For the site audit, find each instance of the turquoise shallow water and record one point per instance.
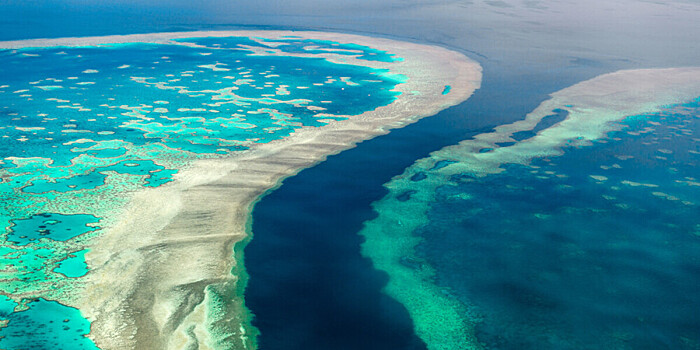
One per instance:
(56, 227)
(45, 325)
(74, 265)
(84, 125)
(594, 249)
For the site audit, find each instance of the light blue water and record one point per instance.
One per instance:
(83, 125)
(7, 306)
(57, 227)
(169, 77)
(74, 265)
(46, 325)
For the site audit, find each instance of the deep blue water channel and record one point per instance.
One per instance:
(309, 286)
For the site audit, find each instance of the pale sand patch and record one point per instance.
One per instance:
(637, 184)
(149, 272)
(666, 196)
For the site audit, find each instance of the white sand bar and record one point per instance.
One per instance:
(155, 275)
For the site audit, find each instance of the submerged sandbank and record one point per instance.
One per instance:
(592, 109)
(161, 274)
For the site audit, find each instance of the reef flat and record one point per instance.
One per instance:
(445, 196)
(134, 162)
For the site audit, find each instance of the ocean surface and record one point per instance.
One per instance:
(309, 285)
(606, 257)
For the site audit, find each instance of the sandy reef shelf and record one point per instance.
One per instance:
(172, 250)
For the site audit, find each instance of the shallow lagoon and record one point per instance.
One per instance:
(45, 325)
(84, 126)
